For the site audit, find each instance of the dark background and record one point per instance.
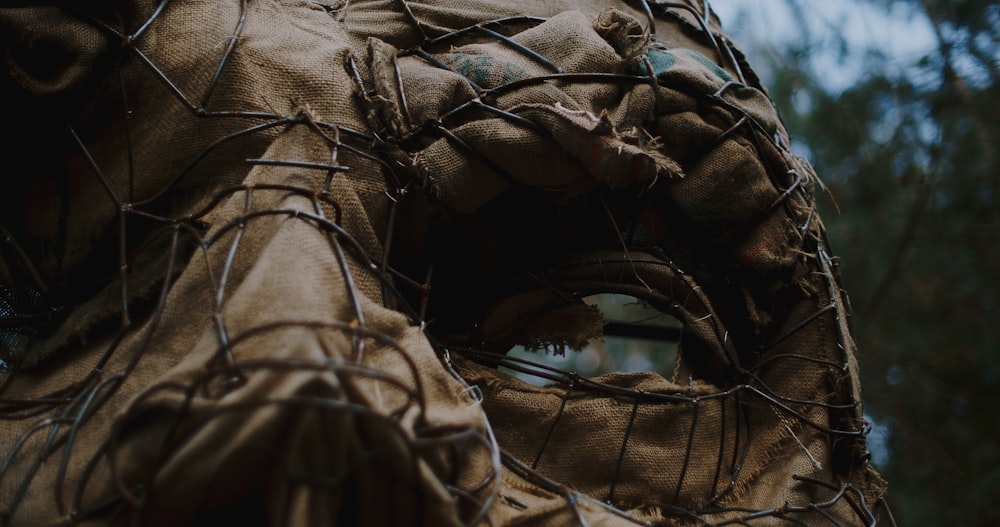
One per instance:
(897, 105)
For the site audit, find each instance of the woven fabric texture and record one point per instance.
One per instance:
(262, 261)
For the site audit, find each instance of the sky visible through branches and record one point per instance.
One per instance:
(895, 104)
(851, 30)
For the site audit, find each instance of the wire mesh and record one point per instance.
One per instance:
(184, 341)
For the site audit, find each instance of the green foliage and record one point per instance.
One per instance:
(909, 153)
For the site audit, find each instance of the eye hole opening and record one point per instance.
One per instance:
(637, 338)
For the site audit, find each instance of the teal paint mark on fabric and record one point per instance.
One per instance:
(474, 67)
(661, 61)
(511, 72)
(484, 70)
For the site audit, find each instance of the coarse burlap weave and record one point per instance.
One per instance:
(262, 258)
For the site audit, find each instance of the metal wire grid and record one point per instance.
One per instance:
(59, 415)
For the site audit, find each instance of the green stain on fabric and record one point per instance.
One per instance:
(484, 70)
(713, 67)
(661, 61)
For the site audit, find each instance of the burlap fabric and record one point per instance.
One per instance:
(261, 260)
